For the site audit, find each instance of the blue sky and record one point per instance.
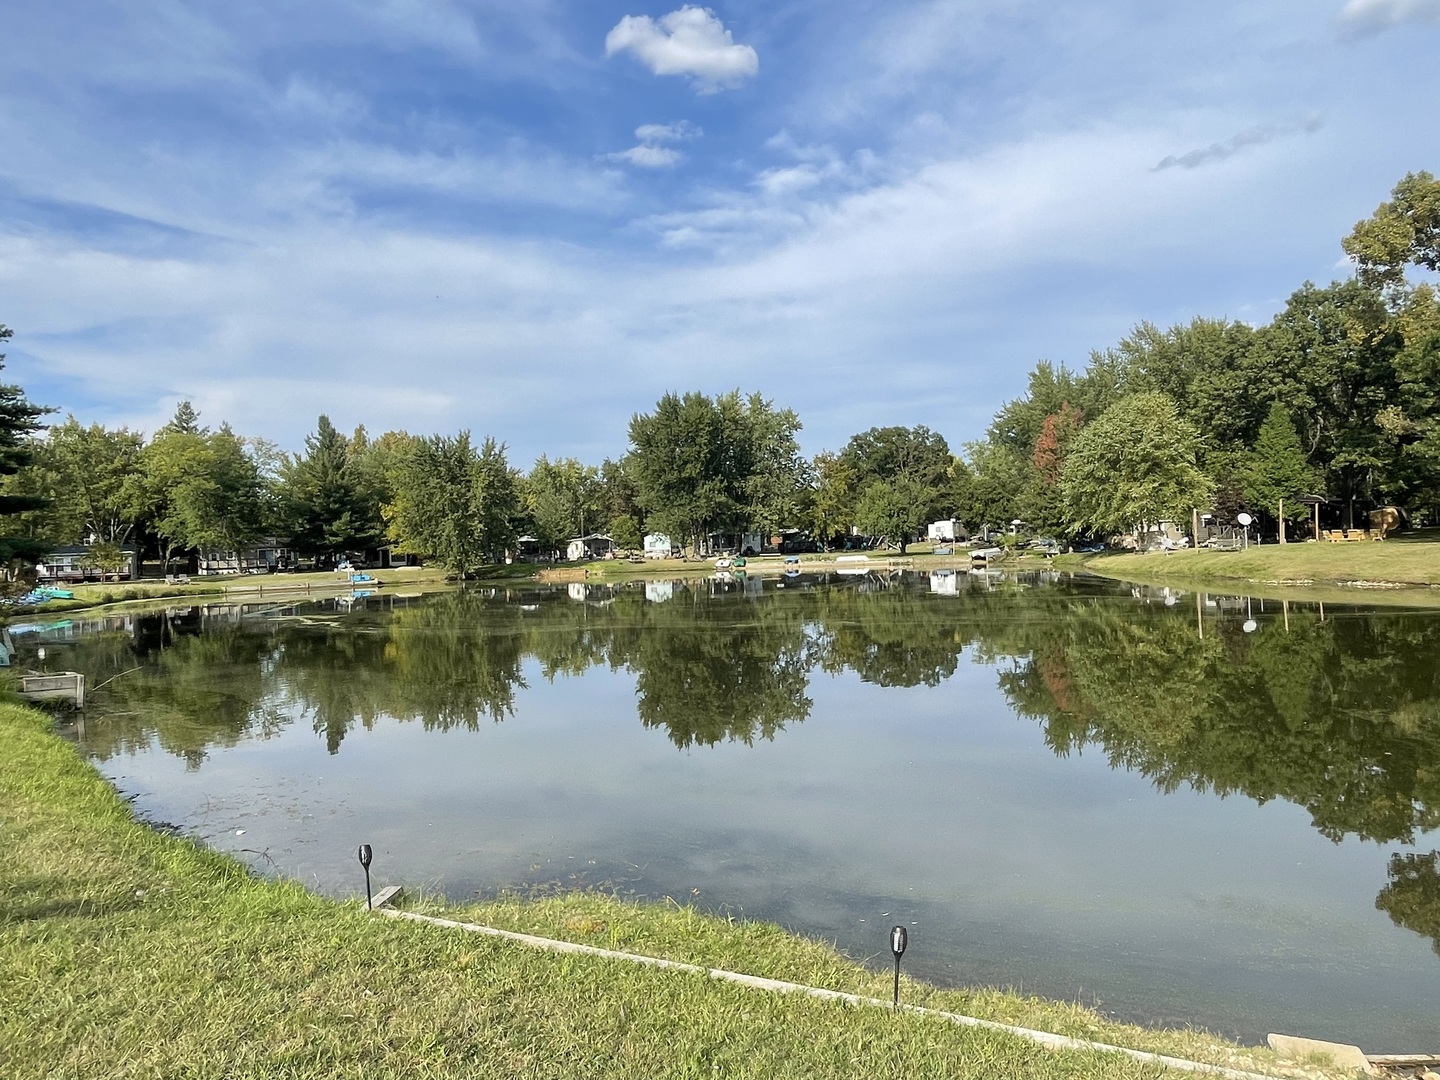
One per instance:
(531, 219)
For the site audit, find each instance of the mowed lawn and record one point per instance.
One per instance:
(128, 953)
(1406, 559)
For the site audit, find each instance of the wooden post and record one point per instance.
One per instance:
(1317, 522)
(1195, 526)
(1282, 521)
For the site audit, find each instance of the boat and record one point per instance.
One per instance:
(984, 555)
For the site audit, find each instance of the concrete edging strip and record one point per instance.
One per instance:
(1044, 1038)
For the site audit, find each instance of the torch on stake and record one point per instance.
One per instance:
(364, 855)
(898, 940)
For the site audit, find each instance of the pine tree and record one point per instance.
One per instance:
(19, 419)
(1277, 469)
(327, 510)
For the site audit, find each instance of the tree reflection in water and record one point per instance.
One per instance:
(1339, 715)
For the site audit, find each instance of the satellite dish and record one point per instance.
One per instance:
(1244, 518)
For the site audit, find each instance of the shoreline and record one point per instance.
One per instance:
(1400, 574)
(147, 928)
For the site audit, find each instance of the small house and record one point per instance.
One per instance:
(77, 563)
(267, 557)
(527, 549)
(594, 546)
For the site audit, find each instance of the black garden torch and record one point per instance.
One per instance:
(365, 854)
(898, 940)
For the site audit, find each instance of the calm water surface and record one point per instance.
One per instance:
(1087, 792)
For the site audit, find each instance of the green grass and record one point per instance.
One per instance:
(128, 953)
(122, 592)
(1407, 561)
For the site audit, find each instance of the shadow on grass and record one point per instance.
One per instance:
(27, 902)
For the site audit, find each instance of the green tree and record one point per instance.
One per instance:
(895, 509)
(625, 531)
(203, 489)
(94, 481)
(703, 465)
(328, 509)
(913, 464)
(19, 420)
(1207, 369)
(453, 503)
(564, 499)
(1135, 466)
(1000, 477)
(173, 461)
(222, 507)
(1277, 470)
(832, 502)
(1330, 358)
(1403, 231)
(1412, 896)
(777, 491)
(1042, 504)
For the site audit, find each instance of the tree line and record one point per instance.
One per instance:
(1337, 396)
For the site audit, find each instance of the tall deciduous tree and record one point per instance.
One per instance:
(453, 503)
(1134, 466)
(1329, 358)
(832, 504)
(1403, 231)
(564, 499)
(894, 508)
(704, 465)
(93, 480)
(1043, 506)
(914, 461)
(204, 489)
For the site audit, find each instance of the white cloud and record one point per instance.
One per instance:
(1363, 17)
(691, 41)
(650, 154)
(649, 157)
(655, 133)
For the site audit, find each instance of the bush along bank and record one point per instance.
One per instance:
(125, 951)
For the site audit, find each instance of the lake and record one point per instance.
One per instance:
(1179, 808)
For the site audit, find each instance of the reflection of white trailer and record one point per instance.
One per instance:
(947, 531)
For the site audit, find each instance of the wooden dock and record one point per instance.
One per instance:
(49, 687)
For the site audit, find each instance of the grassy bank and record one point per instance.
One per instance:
(128, 953)
(1405, 562)
(238, 587)
(918, 557)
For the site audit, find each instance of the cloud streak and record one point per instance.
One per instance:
(691, 41)
(1362, 18)
(1237, 144)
